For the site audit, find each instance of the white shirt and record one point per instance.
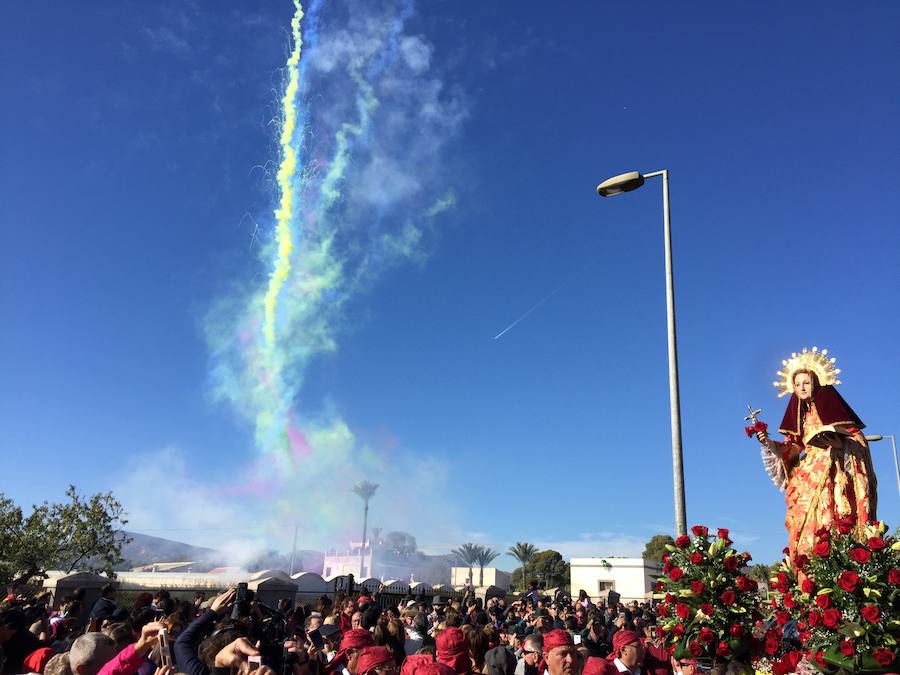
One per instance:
(624, 669)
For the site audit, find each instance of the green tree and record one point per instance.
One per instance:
(80, 533)
(760, 572)
(399, 544)
(656, 547)
(485, 557)
(468, 555)
(548, 567)
(523, 552)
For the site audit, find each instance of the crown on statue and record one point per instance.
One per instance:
(813, 360)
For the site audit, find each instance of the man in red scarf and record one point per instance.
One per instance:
(345, 661)
(630, 655)
(376, 661)
(560, 655)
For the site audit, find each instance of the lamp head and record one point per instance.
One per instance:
(625, 182)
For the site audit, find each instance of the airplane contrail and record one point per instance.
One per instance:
(540, 302)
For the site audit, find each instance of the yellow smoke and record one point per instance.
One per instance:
(285, 212)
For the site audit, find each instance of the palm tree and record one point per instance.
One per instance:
(364, 491)
(468, 554)
(523, 552)
(485, 556)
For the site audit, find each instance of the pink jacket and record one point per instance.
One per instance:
(126, 662)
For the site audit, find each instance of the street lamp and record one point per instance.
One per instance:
(627, 182)
(894, 447)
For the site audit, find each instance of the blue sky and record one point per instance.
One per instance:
(136, 172)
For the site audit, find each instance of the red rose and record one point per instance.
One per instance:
(772, 646)
(745, 584)
(699, 531)
(683, 541)
(845, 525)
(871, 613)
(731, 563)
(819, 658)
(698, 587)
(669, 598)
(807, 586)
(727, 597)
(666, 567)
(782, 617)
(695, 648)
(723, 649)
(676, 573)
(815, 618)
(876, 543)
(831, 617)
(801, 626)
(823, 601)
(662, 610)
(802, 561)
(847, 647)
(788, 601)
(736, 630)
(665, 558)
(679, 629)
(786, 550)
(848, 580)
(747, 557)
(660, 586)
(682, 610)
(822, 549)
(884, 657)
(706, 635)
(696, 558)
(823, 533)
(723, 533)
(894, 577)
(860, 554)
(707, 609)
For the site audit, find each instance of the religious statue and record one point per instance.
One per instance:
(823, 465)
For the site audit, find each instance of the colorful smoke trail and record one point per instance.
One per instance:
(365, 119)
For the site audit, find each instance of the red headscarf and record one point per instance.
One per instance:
(557, 638)
(372, 657)
(453, 650)
(352, 639)
(620, 639)
(37, 660)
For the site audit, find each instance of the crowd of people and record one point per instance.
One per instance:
(154, 634)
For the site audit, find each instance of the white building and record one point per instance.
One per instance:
(343, 562)
(631, 578)
(492, 576)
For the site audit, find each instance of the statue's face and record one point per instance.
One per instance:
(803, 386)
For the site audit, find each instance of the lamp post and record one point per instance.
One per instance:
(894, 447)
(627, 182)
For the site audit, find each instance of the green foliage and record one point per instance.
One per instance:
(400, 545)
(485, 557)
(468, 555)
(548, 567)
(76, 534)
(656, 547)
(761, 573)
(523, 552)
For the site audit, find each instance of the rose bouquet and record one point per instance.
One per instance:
(845, 599)
(708, 605)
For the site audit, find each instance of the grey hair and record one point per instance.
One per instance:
(58, 665)
(88, 649)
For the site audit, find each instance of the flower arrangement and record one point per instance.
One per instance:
(708, 605)
(845, 598)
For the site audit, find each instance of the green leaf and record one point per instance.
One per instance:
(851, 629)
(671, 548)
(825, 591)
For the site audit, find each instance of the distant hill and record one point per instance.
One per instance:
(145, 549)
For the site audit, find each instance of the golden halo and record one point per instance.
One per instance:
(815, 360)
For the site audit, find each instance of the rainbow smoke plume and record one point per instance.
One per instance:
(364, 119)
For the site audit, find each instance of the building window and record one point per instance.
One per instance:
(327, 571)
(605, 586)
